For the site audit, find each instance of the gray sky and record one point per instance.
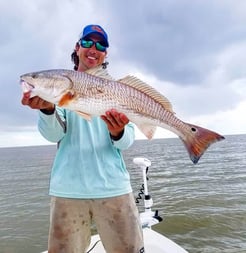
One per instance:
(192, 51)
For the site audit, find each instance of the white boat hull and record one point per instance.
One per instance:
(153, 243)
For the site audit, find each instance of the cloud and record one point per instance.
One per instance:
(194, 52)
(176, 41)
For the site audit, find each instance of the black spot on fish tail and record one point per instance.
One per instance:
(193, 129)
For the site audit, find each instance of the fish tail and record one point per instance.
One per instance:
(198, 140)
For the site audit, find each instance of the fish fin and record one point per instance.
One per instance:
(100, 72)
(147, 130)
(84, 115)
(66, 99)
(198, 140)
(147, 89)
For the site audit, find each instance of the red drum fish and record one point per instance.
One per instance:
(93, 92)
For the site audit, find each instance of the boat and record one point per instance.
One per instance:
(154, 242)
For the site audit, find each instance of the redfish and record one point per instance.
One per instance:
(93, 92)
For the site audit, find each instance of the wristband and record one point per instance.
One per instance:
(48, 112)
(116, 138)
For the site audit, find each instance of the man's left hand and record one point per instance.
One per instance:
(115, 122)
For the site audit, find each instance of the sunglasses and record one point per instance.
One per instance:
(90, 43)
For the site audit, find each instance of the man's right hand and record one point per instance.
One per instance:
(37, 103)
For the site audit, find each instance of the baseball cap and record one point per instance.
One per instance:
(95, 29)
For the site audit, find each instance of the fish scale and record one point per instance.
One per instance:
(93, 92)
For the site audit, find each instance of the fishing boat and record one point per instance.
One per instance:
(154, 242)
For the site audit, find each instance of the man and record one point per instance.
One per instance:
(89, 179)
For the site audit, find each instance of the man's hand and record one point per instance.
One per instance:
(37, 102)
(115, 122)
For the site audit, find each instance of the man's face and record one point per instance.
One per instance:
(90, 57)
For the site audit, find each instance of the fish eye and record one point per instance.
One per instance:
(34, 76)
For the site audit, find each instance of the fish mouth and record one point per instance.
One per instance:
(25, 86)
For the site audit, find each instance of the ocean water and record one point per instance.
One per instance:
(203, 206)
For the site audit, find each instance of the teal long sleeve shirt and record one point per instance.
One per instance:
(88, 163)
